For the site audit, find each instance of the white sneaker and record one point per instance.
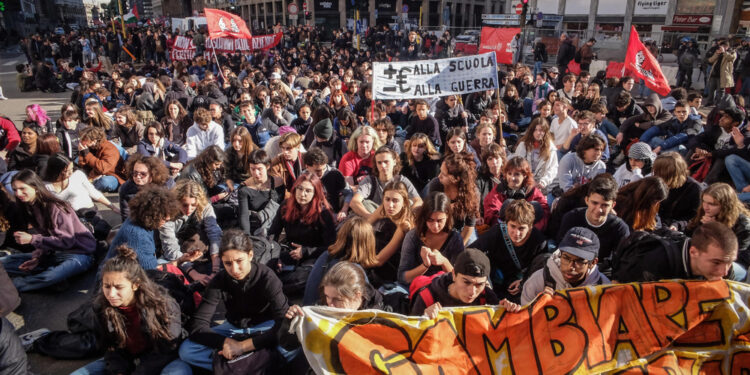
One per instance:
(3, 98)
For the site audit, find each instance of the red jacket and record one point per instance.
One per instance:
(494, 201)
(12, 138)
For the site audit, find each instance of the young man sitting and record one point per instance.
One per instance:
(673, 135)
(598, 216)
(512, 245)
(572, 265)
(465, 286)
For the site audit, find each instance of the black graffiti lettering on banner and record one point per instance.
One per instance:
(417, 70)
(475, 84)
(469, 64)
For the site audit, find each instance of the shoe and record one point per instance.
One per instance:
(3, 98)
(27, 340)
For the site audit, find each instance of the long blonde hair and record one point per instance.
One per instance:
(187, 188)
(430, 153)
(730, 205)
(356, 240)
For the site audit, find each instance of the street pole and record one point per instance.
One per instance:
(356, 23)
(122, 21)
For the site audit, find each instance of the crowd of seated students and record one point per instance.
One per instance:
(492, 203)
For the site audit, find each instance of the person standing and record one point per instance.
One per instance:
(721, 76)
(565, 52)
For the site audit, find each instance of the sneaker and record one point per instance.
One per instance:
(27, 340)
(3, 98)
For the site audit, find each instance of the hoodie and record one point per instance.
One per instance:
(439, 290)
(646, 120)
(535, 284)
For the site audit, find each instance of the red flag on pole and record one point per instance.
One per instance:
(498, 39)
(225, 24)
(644, 65)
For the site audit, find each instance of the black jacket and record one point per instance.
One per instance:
(565, 52)
(439, 290)
(261, 286)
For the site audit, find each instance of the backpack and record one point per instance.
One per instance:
(627, 263)
(79, 341)
(577, 57)
(172, 279)
(266, 251)
(687, 59)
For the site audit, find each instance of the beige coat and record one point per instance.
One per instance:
(727, 68)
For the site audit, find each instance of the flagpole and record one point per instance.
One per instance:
(122, 20)
(216, 58)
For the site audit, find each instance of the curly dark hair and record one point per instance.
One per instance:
(203, 161)
(142, 207)
(149, 299)
(156, 168)
(462, 168)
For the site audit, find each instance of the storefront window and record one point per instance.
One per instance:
(608, 34)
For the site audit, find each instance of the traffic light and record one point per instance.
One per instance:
(308, 15)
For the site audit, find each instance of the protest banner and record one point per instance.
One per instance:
(676, 327)
(499, 39)
(183, 49)
(230, 45)
(430, 78)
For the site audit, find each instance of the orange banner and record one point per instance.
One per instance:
(651, 328)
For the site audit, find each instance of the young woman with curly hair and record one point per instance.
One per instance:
(138, 230)
(138, 323)
(208, 170)
(128, 130)
(517, 183)
(62, 246)
(142, 171)
(433, 244)
(194, 229)
(457, 179)
(719, 202)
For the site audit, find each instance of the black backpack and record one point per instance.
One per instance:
(266, 251)
(627, 264)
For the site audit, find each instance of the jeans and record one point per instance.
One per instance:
(740, 272)
(705, 79)
(107, 184)
(608, 128)
(176, 367)
(685, 77)
(528, 107)
(64, 265)
(739, 170)
(537, 68)
(202, 356)
(6, 179)
(713, 87)
(644, 91)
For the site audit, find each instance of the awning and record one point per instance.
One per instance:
(691, 29)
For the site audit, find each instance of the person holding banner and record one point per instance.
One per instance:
(466, 285)
(574, 264)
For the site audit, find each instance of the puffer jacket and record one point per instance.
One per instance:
(535, 284)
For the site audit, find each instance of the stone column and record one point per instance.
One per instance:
(342, 12)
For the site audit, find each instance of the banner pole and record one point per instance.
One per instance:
(216, 58)
(499, 105)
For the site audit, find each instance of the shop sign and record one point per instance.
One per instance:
(692, 19)
(651, 7)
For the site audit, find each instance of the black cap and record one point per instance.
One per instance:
(581, 242)
(472, 262)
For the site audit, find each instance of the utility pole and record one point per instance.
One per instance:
(122, 21)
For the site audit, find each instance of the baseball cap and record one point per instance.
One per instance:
(581, 242)
(554, 70)
(472, 262)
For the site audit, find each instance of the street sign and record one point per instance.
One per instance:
(292, 9)
(292, 16)
(406, 8)
(519, 8)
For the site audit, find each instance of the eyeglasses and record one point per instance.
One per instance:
(140, 174)
(577, 263)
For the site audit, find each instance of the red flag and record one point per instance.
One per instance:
(643, 64)
(499, 40)
(135, 12)
(224, 24)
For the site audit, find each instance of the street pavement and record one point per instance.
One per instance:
(44, 309)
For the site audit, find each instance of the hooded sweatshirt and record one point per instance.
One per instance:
(535, 284)
(646, 120)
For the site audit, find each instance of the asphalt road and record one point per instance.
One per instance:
(44, 309)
